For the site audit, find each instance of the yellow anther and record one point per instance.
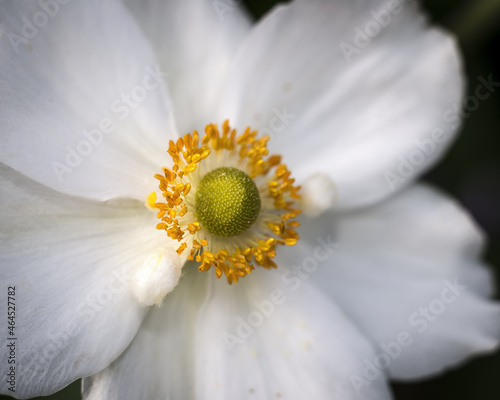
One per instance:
(190, 168)
(181, 248)
(229, 256)
(151, 200)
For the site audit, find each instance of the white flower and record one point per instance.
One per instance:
(372, 291)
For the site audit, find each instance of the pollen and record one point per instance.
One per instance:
(226, 201)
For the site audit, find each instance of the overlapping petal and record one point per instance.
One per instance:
(83, 106)
(70, 262)
(352, 118)
(408, 267)
(195, 41)
(258, 339)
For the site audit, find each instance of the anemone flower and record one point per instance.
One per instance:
(150, 148)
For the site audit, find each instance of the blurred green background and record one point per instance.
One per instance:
(470, 172)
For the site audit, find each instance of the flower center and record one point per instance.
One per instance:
(227, 202)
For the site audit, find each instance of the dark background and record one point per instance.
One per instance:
(470, 172)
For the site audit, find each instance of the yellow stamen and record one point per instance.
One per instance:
(275, 226)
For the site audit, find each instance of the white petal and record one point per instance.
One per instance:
(159, 362)
(157, 277)
(318, 193)
(300, 346)
(83, 107)
(195, 41)
(410, 265)
(70, 262)
(351, 120)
